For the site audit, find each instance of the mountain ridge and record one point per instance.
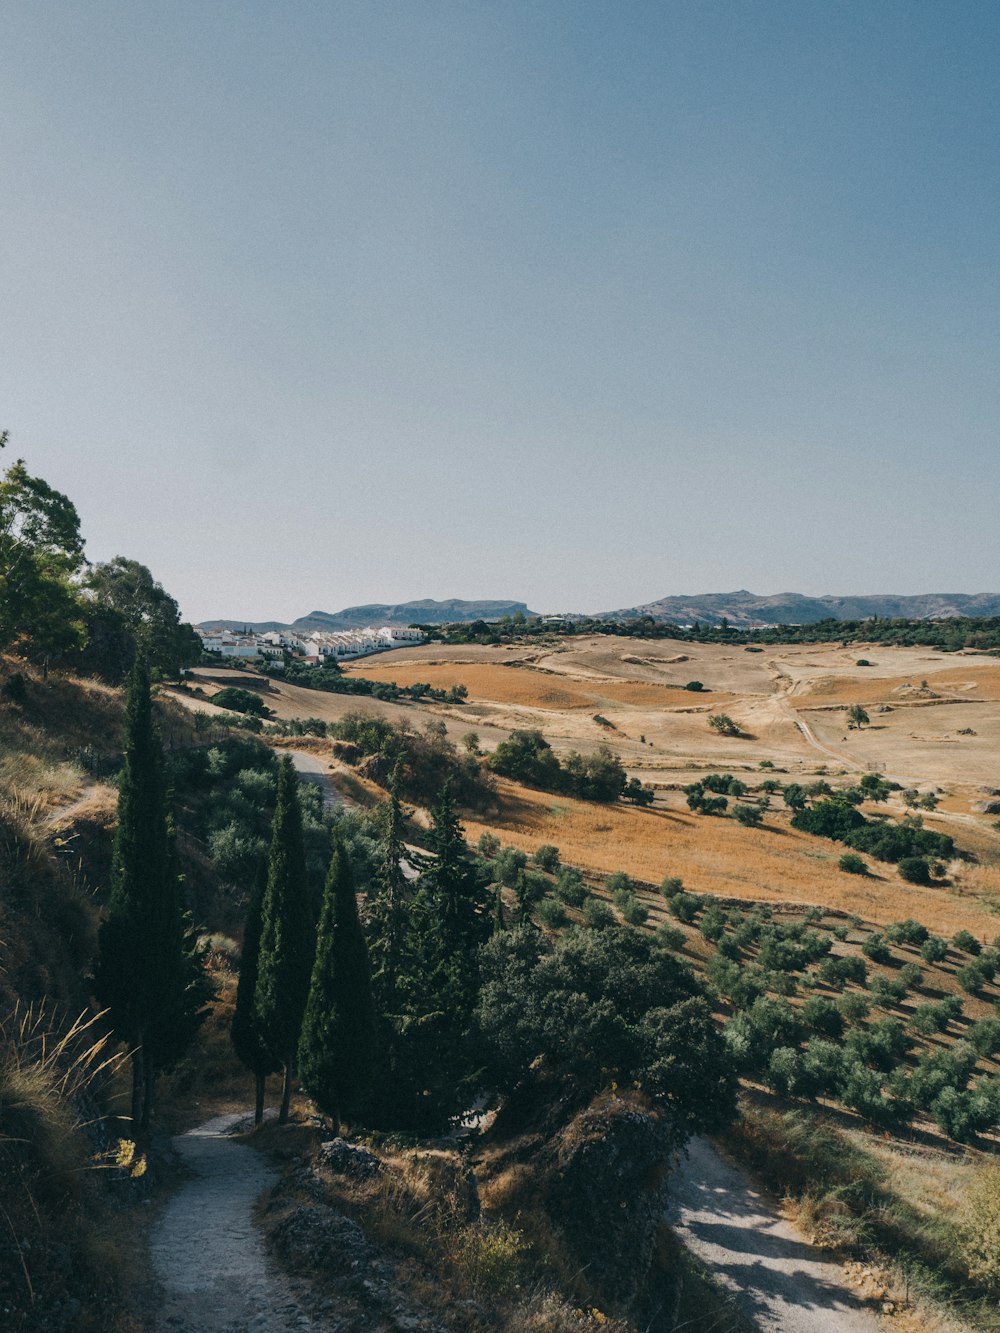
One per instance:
(424, 611)
(744, 608)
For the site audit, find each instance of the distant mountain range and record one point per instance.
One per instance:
(740, 609)
(750, 609)
(425, 612)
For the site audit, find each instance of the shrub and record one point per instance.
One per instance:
(633, 911)
(551, 913)
(971, 978)
(915, 870)
(887, 990)
(852, 864)
(985, 1036)
(684, 906)
(748, 815)
(911, 975)
(966, 941)
(670, 937)
(784, 1071)
(839, 971)
(823, 1015)
(876, 948)
(570, 888)
(713, 924)
(906, 932)
(597, 914)
(854, 1007)
(724, 725)
(492, 1257)
(934, 949)
(694, 686)
(547, 858)
(618, 883)
(240, 701)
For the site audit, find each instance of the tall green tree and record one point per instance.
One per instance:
(338, 1031)
(40, 551)
(287, 940)
(148, 973)
(127, 612)
(388, 904)
(244, 1032)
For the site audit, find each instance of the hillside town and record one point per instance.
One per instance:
(311, 648)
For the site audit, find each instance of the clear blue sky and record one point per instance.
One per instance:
(581, 302)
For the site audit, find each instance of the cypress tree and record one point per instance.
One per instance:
(387, 913)
(148, 972)
(244, 1032)
(179, 985)
(287, 942)
(338, 1030)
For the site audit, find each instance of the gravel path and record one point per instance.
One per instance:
(311, 769)
(207, 1252)
(781, 1282)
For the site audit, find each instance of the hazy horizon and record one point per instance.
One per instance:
(321, 305)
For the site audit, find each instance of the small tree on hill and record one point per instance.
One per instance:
(338, 1031)
(285, 959)
(724, 725)
(857, 717)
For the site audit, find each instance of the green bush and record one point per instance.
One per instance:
(670, 937)
(551, 913)
(907, 932)
(570, 887)
(597, 914)
(966, 941)
(876, 948)
(852, 864)
(547, 858)
(915, 870)
(934, 949)
(684, 906)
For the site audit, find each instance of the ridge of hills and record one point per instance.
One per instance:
(742, 609)
(425, 611)
(750, 610)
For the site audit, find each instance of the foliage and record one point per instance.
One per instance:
(40, 552)
(336, 1044)
(605, 1006)
(287, 940)
(240, 701)
(148, 972)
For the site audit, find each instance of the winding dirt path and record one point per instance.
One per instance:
(781, 1282)
(207, 1252)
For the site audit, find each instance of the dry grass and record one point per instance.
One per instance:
(775, 863)
(527, 687)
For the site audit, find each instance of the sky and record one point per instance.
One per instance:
(308, 303)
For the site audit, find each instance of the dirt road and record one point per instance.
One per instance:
(207, 1252)
(311, 769)
(781, 1282)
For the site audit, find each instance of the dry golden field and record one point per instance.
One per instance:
(935, 725)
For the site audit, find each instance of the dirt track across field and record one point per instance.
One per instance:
(781, 1282)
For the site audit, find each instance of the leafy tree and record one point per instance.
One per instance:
(876, 948)
(243, 1032)
(287, 941)
(857, 717)
(148, 973)
(748, 815)
(547, 858)
(126, 611)
(526, 756)
(597, 1007)
(966, 941)
(852, 864)
(934, 949)
(594, 777)
(794, 796)
(240, 701)
(724, 725)
(915, 870)
(337, 1041)
(40, 552)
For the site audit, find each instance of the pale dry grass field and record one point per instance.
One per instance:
(774, 863)
(791, 705)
